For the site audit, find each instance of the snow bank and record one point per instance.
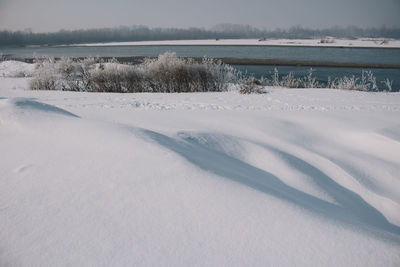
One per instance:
(300, 177)
(16, 69)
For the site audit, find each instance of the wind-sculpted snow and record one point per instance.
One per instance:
(289, 178)
(31, 104)
(392, 132)
(352, 208)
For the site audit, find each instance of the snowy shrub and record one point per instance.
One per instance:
(275, 78)
(65, 74)
(347, 83)
(222, 73)
(45, 75)
(371, 80)
(169, 73)
(70, 70)
(310, 81)
(367, 82)
(112, 77)
(251, 86)
(289, 81)
(105, 79)
(388, 84)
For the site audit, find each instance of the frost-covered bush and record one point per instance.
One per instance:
(167, 73)
(223, 74)
(45, 75)
(251, 86)
(347, 83)
(170, 74)
(112, 77)
(65, 74)
(371, 80)
(275, 78)
(388, 84)
(69, 71)
(367, 82)
(289, 81)
(310, 81)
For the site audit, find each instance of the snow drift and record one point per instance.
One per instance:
(301, 177)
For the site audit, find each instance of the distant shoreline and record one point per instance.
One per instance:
(367, 43)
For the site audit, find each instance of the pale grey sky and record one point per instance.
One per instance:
(53, 15)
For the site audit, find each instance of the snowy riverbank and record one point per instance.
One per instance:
(329, 42)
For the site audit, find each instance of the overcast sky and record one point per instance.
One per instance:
(53, 15)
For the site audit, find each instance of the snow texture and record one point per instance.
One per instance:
(295, 177)
(16, 69)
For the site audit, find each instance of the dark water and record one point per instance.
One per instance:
(352, 55)
(356, 55)
(322, 74)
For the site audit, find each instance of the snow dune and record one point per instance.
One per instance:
(304, 177)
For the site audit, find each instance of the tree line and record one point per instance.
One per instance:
(221, 31)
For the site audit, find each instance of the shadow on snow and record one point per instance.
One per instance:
(352, 208)
(32, 104)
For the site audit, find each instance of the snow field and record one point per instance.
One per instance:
(295, 177)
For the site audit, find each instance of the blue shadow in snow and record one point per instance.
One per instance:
(346, 198)
(392, 133)
(32, 104)
(352, 208)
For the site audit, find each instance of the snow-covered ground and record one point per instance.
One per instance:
(306, 177)
(332, 42)
(15, 69)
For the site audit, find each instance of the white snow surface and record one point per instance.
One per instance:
(293, 177)
(334, 42)
(12, 68)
